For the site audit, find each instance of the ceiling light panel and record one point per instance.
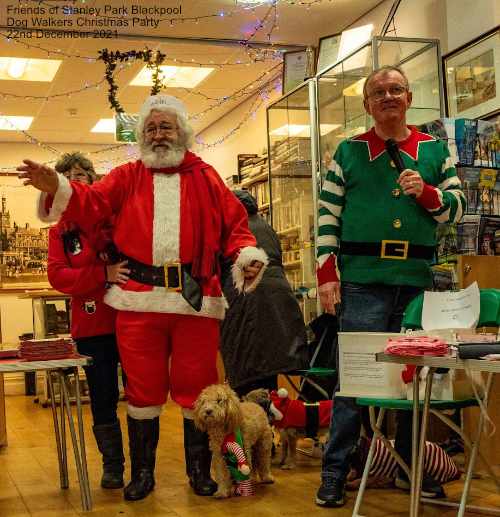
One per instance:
(173, 76)
(11, 123)
(24, 69)
(104, 125)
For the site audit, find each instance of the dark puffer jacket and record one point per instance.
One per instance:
(263, 333)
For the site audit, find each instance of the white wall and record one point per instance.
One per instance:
(468, 19)
(16, 316)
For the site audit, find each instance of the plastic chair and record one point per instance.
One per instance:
(436, 408)
(489, 310)
(325, 326)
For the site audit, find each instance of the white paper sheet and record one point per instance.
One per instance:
(451, 309)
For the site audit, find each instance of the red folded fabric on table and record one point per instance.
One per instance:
(414, 346)
(46, 349)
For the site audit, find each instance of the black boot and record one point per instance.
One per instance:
(198, 459)
(143, 440)
(109, 443)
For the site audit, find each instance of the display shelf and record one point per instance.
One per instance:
(289, 231)
(292, 265)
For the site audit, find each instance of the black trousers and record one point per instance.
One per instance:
(102, 376)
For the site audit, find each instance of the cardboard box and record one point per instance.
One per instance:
(360, 374)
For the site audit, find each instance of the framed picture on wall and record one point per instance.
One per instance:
(328, 51)
(472, 77)
(23, 237)
(298, 65)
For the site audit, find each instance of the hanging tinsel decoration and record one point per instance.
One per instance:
(111, 58)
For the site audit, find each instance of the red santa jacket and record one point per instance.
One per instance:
(294, 411)
(76, 269)
(153, 222)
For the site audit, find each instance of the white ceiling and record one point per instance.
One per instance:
(69, 118)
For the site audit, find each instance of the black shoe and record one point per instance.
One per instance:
(430, 487)
(109, 443)
(142, 485)
(143, 440)
(453, 446)
(331, 493)
(198, 460)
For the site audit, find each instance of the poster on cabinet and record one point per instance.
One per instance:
(23, 237)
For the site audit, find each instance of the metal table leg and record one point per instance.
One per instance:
(414, 440)
(81, 434)
(474, 450)
(61, 448)
(423, 435)
(80, 459)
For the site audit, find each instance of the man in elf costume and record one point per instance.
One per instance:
(377, 234)
(174, 217)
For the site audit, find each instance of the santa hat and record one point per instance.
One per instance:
(167, 103)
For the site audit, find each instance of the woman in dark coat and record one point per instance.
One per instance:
(263, 333)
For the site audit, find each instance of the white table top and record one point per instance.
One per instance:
(14, 365)
(441, 362)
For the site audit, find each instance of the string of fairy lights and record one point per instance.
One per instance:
(261, 95)
(254, 89)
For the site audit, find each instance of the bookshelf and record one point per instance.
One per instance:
(253, 175)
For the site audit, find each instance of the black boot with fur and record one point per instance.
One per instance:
(109, 443)
(198, 460)
(143, 440)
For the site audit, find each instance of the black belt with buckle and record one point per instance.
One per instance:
(169, 275)
(173, 276)
(388, 249)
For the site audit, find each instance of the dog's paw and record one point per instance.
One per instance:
(267, 480)
(222, 494)
(287, 466)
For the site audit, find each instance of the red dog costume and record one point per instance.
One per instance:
(294, 412)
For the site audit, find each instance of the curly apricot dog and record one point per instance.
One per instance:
(219, 412)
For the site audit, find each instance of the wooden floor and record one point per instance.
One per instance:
(29, 479)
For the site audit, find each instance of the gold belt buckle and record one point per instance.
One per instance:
(173, 276)
(401, 251)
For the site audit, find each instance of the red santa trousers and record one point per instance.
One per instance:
(167, 352)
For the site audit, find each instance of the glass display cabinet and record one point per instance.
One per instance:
(340, 88)
(306, 125)
(292, 141)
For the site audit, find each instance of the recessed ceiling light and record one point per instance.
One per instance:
(104, 125)
(23, 69)
(8, 123)
(173, 76)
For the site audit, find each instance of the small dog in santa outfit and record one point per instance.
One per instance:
(293, 418)
(219, 412)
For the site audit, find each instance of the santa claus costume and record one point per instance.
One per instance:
(171, 224)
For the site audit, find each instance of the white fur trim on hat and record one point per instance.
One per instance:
(245, 258)
(162, 103)
(59, 204)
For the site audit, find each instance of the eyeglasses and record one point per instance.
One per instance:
(394, 91)
(162, 128)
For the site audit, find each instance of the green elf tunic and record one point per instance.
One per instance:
(362, 209)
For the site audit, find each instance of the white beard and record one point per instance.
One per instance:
(162, 157)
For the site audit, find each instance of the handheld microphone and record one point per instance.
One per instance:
(392, 149)
(391, 146)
